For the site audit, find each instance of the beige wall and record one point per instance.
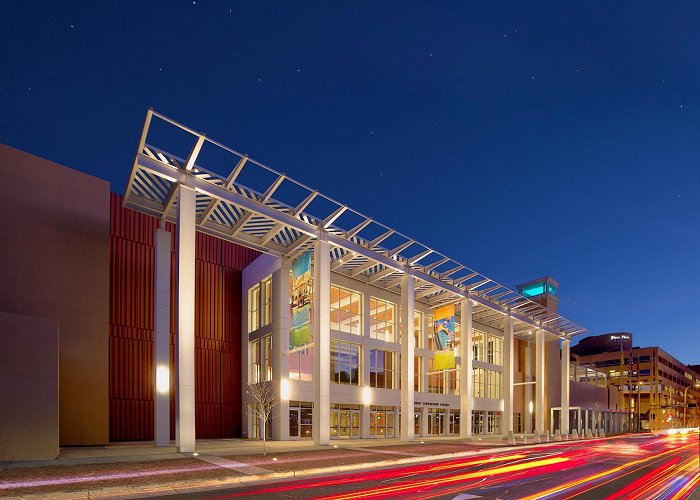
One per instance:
(54, 263)
(28, 387)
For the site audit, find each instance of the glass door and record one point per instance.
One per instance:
(335, 421)
(355, 422)
(344, 423)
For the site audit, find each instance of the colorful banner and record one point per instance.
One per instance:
(302, 288)
(444, 338)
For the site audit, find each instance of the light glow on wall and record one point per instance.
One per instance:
(284, 389)
(162, 380)
(531, 407)
(366, 395)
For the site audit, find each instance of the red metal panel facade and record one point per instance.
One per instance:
(217, 329)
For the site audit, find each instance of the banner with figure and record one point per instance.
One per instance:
(302, 288)
(444, 338)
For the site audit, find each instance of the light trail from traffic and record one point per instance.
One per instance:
(630, 467)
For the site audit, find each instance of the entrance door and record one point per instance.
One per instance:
(354, 424)
(345, 423)
(436, 423)
(416, 423)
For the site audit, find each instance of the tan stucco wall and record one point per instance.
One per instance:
(28, 388)
(54, 263)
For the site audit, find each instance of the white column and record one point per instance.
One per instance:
(321, 328)
(539, 378)
(507, 378)
(465, 379)
(161, 357)
(527, 415)
(184, 425)
(407, 354)
(564, 417)
(281, 323)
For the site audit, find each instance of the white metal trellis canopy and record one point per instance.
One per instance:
(361, 247)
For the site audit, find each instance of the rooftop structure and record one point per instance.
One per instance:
(279, 215)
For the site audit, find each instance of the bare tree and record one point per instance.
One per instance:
(597, 415)
(265, 398)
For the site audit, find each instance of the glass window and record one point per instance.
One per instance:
(382, 320)
(346, 310)
(254, 308)
(417, 373)
(345, 363)
(261, 360)
(479, 382)
(254, 376)
(444, 381)
(418, 329)
(381, 369)
(301, 364)
(255, 421)
(494, 349)
(494, 384)
(267, 298)
(479, 345)
(436, 380)
(267, 357)
(260, 304)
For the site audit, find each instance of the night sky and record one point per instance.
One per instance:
(522, 140)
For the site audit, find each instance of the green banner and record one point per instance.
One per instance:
(302, 288)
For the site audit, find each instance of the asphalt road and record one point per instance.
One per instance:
(645, 466)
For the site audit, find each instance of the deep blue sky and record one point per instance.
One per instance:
(523, 140)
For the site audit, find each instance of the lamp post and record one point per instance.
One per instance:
(685, 402)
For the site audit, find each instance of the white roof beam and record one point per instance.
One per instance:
(428, 291)
(376, 241)
(271, 233)
(451, 271)
(328, 221)
(170, 201)
(362, 268)
(192, 158)
(227, 185)
(435, 264)
(476, 285)
(358, 228)
(273, 187)
(381, 274)
(345, 259)
(302, 206)
(401, 247)
(464, 278)
(420, 256)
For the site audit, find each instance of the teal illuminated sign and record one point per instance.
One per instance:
(538, 289)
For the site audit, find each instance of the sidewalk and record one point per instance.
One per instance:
(141, 469)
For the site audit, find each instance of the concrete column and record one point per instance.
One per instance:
(161, 356)
(424, 421)
(364, 421)
(507, 378)
(564, 417)
(185, 405)
(527, 416)
(465, 379)
(321, 328)
(407, 354)
(539, 386)
(281, 324)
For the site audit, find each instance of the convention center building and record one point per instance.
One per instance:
(151, 315)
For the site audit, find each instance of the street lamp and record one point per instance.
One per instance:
(685, 401)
